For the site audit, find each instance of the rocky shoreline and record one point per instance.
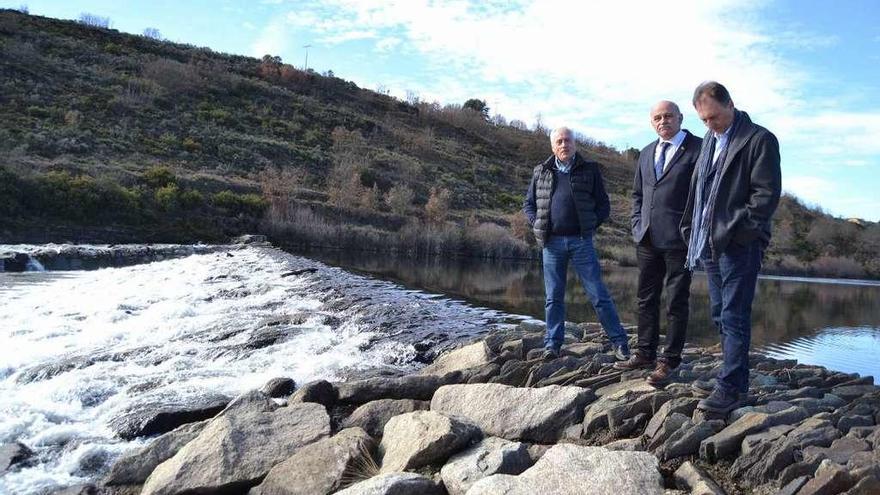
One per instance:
(491, 417)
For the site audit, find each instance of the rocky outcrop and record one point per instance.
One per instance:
(491, 456)
(395, 484)
(533, 414)
(320, 468)
(372, 416)
(419, 438)
(239, 447)
(12, 454)
(154, 418)
(568, 469)
(134, 468)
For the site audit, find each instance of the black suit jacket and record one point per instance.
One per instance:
(658, 205)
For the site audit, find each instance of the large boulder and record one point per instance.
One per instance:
(395, 484)
(531, 414)
(420, 438)
(319, 468)
(153, 418)
(469, 356)
(12, 454)
(239, 447)
(133, 468)
(568, 469)
(418, 387)
(492, 455)
(372, 416)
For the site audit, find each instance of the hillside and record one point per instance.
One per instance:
(106, 136)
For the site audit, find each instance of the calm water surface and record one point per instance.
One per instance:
(831, 323)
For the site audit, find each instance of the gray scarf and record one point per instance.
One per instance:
(708, 171)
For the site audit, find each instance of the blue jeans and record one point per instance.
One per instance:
(558, 251)
(732, 281)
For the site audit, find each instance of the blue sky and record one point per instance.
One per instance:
(808, 70)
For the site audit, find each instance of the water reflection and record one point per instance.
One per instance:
(835, 325)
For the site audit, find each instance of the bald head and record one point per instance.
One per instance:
(666, 119)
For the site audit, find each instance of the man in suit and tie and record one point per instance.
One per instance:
(660, 190)
(732, 198)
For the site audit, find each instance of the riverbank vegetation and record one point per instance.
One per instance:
(154, 140)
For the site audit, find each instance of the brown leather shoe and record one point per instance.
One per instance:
(660, 376)
(635, 362)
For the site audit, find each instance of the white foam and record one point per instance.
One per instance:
(158, 320)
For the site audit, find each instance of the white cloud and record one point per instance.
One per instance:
(273, 39)
(809, 188)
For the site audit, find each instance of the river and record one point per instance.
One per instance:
(833, 323)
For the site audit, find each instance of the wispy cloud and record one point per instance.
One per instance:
(273, 39)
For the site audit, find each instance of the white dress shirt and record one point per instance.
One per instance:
(675, 143)
(721, 141)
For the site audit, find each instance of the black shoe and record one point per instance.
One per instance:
(550, 353)
(720, 402)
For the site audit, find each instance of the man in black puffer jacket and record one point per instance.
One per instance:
(565, 203)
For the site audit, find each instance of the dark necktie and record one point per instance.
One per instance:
(658, 165)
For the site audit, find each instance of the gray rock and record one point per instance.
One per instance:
(12, 454)
(618, 402)
(239, 447)
(839, 452)
(768, 408)
(485, 373)
(513, 373)
(636, 444)
(539, 415)
(849, 421)
(681, 405)
(830, 479)
(862, 432)
(279, 387)
(867, 486)
(420, 438)
(372, 416)
(153, 418)
(674, 422)
(696, 481)
(796, 470)
(568, 469)
(773, 433)
(727, 442)
(395, 484)
(813, 431)
(687, 440)
(418, 387)
(794, 486)
(468, 356)
(764, 462)
(319, 391)
(133, 468)
(319, 468)
(492, 455)
(852, 392)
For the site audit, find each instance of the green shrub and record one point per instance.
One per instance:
(168, 197)
(158, 176)
(249, 204)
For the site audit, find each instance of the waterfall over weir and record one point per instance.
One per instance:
(82, 348)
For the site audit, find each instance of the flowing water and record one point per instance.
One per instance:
(82, 348)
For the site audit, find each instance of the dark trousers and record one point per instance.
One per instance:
(655, 266)
(732, 281)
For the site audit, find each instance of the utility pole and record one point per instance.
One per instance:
(307, 56)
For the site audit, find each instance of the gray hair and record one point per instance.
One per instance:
(560, 130)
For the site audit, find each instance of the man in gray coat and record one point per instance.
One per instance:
(660, 191)
(733, 195)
